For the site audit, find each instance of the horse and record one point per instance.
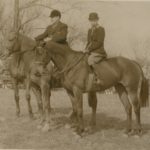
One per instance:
(25, 66)
(124, 74)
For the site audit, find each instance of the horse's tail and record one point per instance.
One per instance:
(144, 93)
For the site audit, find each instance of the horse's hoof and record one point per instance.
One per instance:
(77, 136)
(73, 126)
(125, 135)
(46, 127)
(90, 130)
(136, 136)
(135, 133)
(79, 131)
(17, 114)
(32, 117)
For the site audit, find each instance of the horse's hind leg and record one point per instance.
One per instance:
(28, 98)
(45, 89)
(16, 94)
(126, 103)
(92, 100)
(136, 105)
(79, 103)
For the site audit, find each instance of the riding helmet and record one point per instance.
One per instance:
(93, 16)
(55, 13)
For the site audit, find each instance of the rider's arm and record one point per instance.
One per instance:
(61, 35)
(42, 36)
(98, 41)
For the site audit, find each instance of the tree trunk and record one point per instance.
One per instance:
(16, 14)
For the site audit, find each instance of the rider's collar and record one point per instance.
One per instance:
(55, 24)
(95, 27)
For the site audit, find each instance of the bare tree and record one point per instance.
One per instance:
(16, 14)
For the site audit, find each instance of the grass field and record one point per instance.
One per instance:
(23, 133)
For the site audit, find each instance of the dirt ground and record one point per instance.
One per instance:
(22, 133)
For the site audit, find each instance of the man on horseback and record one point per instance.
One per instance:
(95, 43)
(56, 32)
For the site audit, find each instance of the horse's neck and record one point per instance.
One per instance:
(59, 61)
(64, 58)
(25, 58)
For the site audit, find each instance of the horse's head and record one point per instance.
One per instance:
(12, 41)
(42, 55)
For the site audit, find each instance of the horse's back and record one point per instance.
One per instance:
(118, 69)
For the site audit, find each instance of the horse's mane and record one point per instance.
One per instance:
(63, 48)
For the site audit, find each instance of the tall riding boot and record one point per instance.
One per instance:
(90, 79)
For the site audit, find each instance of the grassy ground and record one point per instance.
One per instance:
(23, 133)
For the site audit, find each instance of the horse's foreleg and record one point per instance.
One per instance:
(28, 97)
(45, 88)
(38, 95)
(79, 103)
(92, 100)
(16, 94)
(73, 115)
(128, 108)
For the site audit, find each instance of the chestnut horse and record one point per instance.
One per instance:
(122, 73)
(25, 67)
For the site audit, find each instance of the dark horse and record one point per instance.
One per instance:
(126, 75)
(25, 67)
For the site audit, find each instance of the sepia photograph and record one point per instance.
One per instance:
(75, 74)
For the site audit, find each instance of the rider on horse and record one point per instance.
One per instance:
(56, 32)
(95, 44)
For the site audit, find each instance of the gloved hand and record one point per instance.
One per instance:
(48, 39)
